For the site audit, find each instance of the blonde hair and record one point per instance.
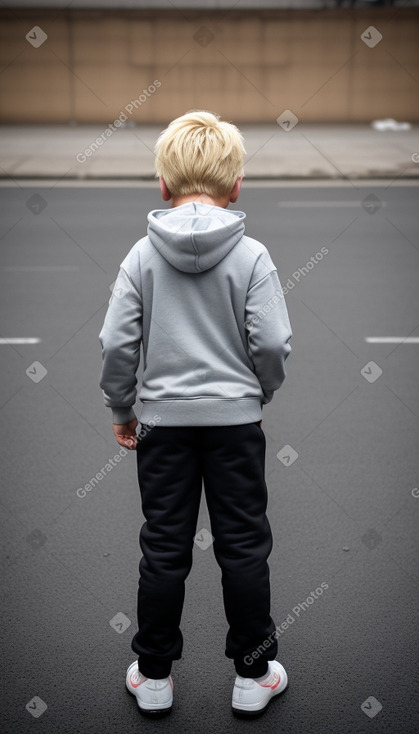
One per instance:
(200, 154)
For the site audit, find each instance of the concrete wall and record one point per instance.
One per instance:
(249, 66)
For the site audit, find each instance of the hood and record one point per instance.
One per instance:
(194, 237)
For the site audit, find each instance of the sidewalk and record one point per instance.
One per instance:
(307, 151)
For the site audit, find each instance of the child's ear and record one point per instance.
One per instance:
(235, 191)
(166, 195)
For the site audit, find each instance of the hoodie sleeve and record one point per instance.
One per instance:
(120, 339)
(268, 329)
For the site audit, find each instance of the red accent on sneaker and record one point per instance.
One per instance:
(135, 685)
(264, 685)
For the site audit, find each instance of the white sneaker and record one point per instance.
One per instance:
(251, 696)
(153, 696)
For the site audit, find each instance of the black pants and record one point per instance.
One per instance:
(171, 464)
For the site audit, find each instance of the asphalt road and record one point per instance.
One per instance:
(343, 506)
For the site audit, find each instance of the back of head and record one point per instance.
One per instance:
(200, 154)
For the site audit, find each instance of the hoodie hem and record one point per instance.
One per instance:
(201, 412)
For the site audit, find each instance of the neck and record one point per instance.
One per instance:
(201, 199)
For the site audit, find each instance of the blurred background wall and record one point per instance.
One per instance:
(249, 61)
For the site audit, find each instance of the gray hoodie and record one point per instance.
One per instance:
(206, 304)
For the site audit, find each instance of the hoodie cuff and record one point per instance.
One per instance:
(121, 416)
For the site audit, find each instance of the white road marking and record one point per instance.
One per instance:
(20, 340)
(392, 339)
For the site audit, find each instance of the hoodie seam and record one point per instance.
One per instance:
(132, 282)
(262, 279)
(196, 253)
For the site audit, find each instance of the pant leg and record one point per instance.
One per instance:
(170, 480)
(234, 479)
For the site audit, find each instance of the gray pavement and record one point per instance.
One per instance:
(344, 512)
(305, 151)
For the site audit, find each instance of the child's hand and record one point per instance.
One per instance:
(125, 434)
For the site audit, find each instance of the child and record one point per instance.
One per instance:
(205, 302)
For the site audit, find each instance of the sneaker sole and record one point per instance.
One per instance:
(152, 711)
